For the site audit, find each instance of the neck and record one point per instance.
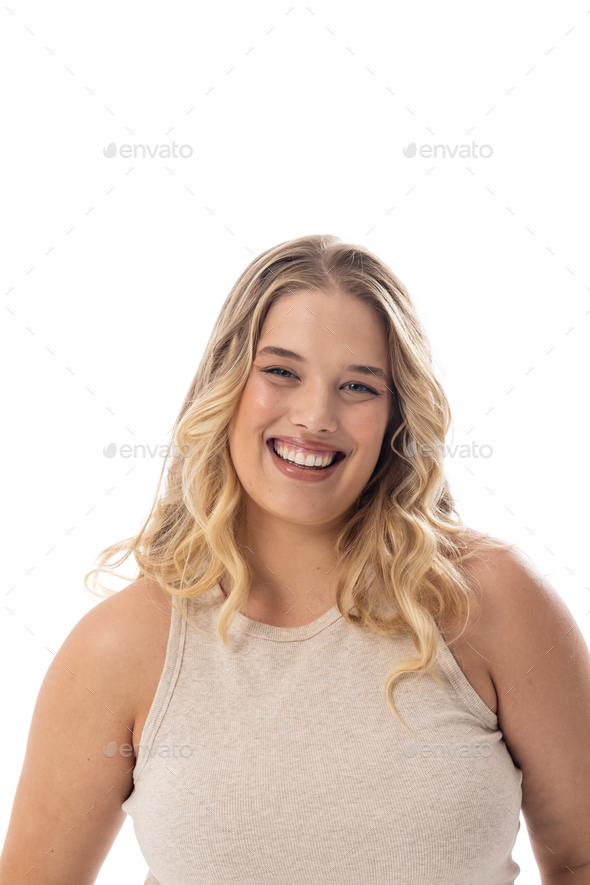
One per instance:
(294, 565)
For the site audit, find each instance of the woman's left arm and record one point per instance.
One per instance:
(540, 665)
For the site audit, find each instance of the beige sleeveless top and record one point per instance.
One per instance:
(278, 760)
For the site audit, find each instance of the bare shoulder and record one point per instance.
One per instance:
(131, 619)
(118, 648)
(130, 630)
(517, 618)
(96, 687)
(124, 626)
(509, 588)
(140, 597)
(539, 662)
(509, 595)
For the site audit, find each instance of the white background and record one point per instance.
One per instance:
(115, 269)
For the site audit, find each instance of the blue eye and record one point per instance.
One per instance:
(286, 371)
(362, 385)
(270, 371)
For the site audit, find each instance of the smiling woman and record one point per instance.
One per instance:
(335, 654)
(340, 421)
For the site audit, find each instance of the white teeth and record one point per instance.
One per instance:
(300, 458)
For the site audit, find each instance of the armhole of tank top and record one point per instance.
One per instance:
(462, 686)
(166, 685)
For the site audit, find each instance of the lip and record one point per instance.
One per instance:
(301, 473)
(298, 442)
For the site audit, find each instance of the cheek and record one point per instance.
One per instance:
(367, 429)
(260, 401)
(256, 409)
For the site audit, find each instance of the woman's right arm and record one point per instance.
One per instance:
(79, 757)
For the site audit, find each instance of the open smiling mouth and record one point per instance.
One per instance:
(304, 461)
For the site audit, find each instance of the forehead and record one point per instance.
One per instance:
(326, 319)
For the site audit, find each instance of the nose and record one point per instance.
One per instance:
(314, 406)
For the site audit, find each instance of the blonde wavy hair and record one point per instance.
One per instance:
(404, 544)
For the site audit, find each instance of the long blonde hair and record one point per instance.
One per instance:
(405, 542)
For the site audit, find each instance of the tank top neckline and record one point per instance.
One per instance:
(450, 666)
(279, 634)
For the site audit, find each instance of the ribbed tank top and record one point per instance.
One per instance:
(277, 760)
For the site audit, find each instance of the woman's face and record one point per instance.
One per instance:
(313, 403)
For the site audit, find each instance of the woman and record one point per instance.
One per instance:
(320, 673)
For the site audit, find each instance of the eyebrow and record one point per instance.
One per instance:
(290, 354)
